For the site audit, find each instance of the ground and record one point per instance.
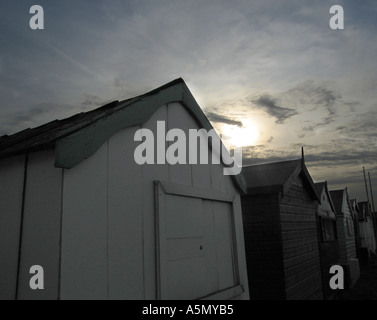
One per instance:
(366, 287)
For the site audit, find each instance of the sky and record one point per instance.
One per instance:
(270, 75)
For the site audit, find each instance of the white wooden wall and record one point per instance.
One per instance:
(367, 235)
(41, 226)
(125, 219)
(324, 208)
(84, 265)
(349, 237)
(109, 238)
(40, 240)
(347, 242)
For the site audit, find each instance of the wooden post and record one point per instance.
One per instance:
(366, 186)
(374, 210)
(371, 192)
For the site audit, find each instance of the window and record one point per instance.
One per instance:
(328, 230)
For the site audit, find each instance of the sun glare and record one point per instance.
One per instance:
(247, 135)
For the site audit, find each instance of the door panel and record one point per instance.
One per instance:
(195, 246)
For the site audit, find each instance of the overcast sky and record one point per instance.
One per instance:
(274, 66)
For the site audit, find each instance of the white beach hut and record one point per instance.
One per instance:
(74, 201)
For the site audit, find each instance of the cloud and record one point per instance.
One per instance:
(323, 123)
(344, 157)
(214, 117)
(313, 95)
(318, 103)
(361, 128)
(352, 105)
(269, 105)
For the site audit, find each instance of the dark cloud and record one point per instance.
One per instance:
(313, 95)
(269, 105)
(214, 117)
(323, 97)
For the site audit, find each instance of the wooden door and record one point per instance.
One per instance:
(196, 250)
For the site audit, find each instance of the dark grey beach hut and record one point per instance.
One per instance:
(327, 236)
(281, 239)
(346, 235)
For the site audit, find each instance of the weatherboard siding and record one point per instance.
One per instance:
(300, 245)
(329, 250)
(263, 246)
(347, 242)
(350, 237)
(367, 237)
(341, 237)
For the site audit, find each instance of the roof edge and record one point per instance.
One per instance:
(301, 167)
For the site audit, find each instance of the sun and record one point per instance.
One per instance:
(236, 136)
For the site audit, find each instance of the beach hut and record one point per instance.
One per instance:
(74, 201)
(367, 241)
(281, 239)
(346, 236)
(355, 214)
(327, 236)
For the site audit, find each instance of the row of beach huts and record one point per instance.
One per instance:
(74, 202)
(307, 227)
